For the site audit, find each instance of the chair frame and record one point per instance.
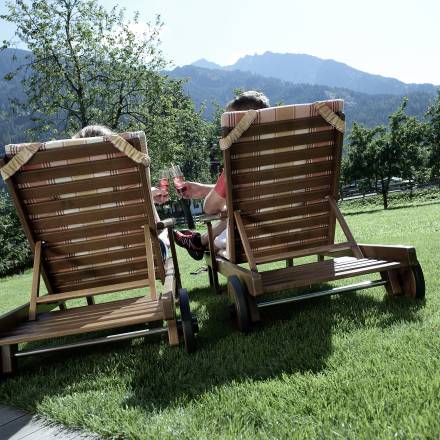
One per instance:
(399, 269)
(32, 321)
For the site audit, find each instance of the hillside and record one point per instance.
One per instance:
(206, 86)
(307, 69)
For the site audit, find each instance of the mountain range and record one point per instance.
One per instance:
(211, 87)
(285, 78)
(308, 69)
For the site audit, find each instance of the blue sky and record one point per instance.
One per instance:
(388, 37)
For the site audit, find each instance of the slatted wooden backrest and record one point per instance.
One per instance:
(279, 174)
(88, 203)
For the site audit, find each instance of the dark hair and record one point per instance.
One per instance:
(250, 100)
(92, 131)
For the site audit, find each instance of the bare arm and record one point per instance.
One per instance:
(196, 190)
(214, 203)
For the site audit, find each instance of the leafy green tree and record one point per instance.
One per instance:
(88, 66)
(381, 153)
(15, 254)
(433, 138)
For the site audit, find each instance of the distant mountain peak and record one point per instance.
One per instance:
(206, 64)
(309, 69)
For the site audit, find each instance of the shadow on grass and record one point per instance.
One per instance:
(151, 375)
(375, 209)
(291, 338)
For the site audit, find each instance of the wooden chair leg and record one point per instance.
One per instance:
(174, 257)
(90, 300)
(289, 262)
(253, 308)
(173, 335)
(8, 360)
(214, 272)
(393, 286)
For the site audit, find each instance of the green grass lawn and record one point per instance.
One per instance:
(357, 366)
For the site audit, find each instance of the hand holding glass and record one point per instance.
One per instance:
(178, 179)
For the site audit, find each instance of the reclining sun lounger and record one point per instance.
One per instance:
(282, 169)
(86, 208)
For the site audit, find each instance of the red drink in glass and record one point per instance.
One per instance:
(178, 179)
(164, 183)
(179, 183)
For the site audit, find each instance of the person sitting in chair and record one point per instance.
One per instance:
(160, 196)
(215, 195)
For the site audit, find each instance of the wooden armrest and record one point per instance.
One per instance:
(405, 254)
(166, 223)
(210, 218)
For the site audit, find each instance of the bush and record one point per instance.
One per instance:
(15, 254)
(395, 199)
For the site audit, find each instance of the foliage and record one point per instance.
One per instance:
(88, 65)
(378, 154)
(15, 254)
(433, 133)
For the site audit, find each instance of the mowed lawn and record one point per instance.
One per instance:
(357, 366)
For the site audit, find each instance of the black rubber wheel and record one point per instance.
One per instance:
(239, 293)
(187, 322)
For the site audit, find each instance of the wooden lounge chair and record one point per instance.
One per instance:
(86, 208)
(282, 171)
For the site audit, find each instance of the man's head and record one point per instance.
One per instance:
(92, 131)
(250, 100)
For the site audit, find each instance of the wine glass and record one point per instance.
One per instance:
(164, 181)
(178, 179)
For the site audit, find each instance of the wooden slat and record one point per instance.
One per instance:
(77, 186)
(82, 318)
(285, 213)
(273, 227)
(84, 201)
(246, 192)
(88, 216)
(279, 126)
(24, 220)
(73, 152)
(96, 317)
(96, 258)
(289, 251)
(282, 172)
(280, 158)
(111, 269)
(281, 200)
(75, 170)
(138, 275)
(282, 142)
(314, 273)
(288, 237)
(35, 291)
(152, 218)
(245, 242)
(101, 290)
(344, 226)
(94, 245)
(91, 231)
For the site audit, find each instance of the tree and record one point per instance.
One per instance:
(88, 65)
(381, 153)
(433, 138)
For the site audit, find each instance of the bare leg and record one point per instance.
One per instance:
(217, 229)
